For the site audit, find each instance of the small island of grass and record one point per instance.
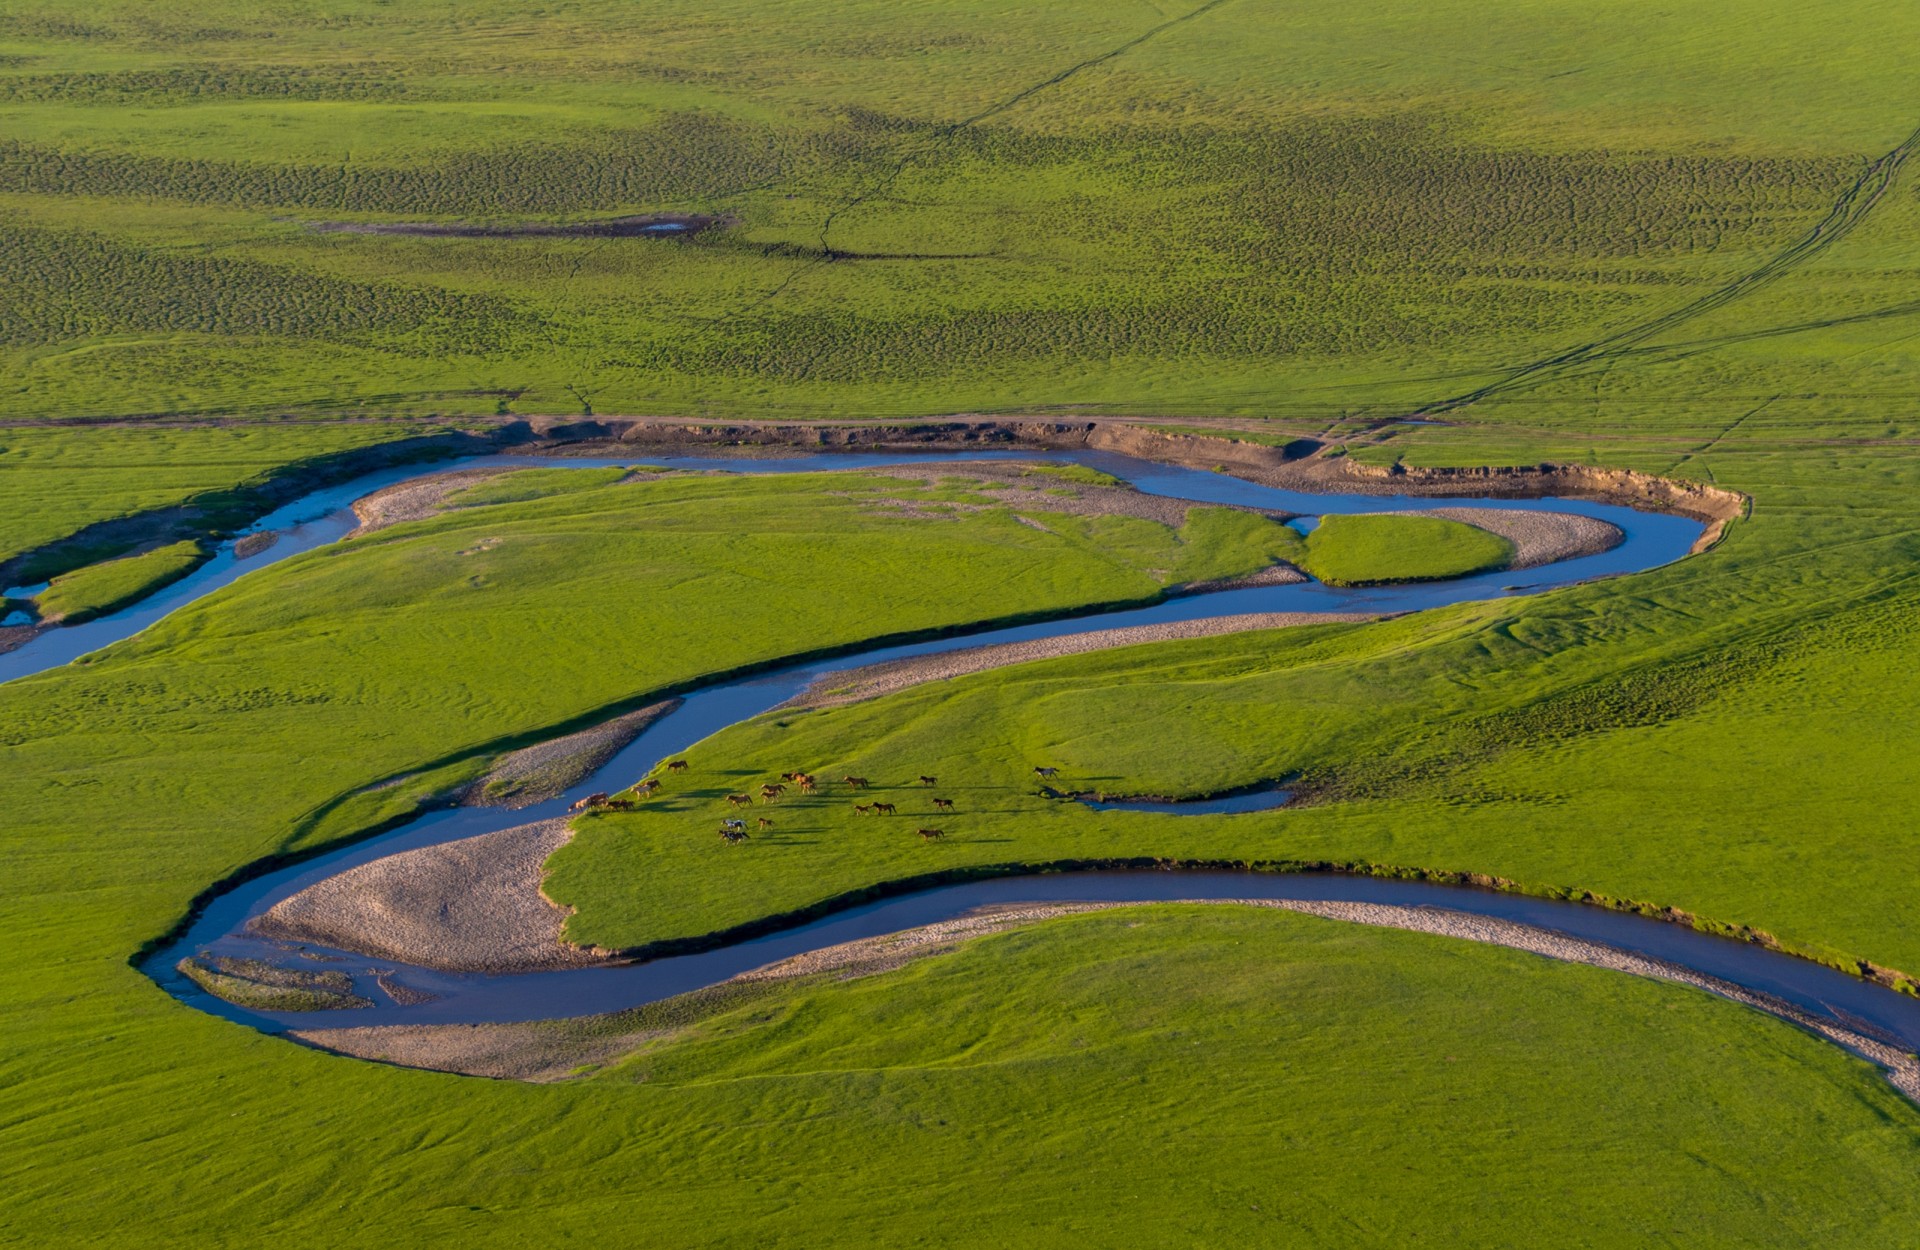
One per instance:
(1374, 548)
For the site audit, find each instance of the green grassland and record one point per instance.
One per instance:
(1738, 706)
(1675, 239)
(1370, 549)
(955, 207)
(102, 588)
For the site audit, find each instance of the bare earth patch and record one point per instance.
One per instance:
(468, 906)
(855, 684)
(1539, 537)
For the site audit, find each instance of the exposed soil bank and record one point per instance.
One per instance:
(644, 226)
(468, 906)
(550, 1050)
(857, 684)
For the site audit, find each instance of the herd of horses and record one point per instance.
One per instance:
(733, 830)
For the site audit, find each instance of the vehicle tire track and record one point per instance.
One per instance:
(1855, 204)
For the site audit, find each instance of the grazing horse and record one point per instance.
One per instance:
(740, 800)
(943, 805)
(929, 781)
(863, 808)
(592, 800)
(855, 783)
(676, 766)
(1041, 771)
(764, 823)
(931, 835)
(883, 809)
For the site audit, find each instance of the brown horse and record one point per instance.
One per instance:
(931, 835)
(855, 783)
(764, 823)
(943, 805)
(676, 766)
(805, 783)
(929, 781)
(863, 808)
(592, 800)
(740, 800)
(770, 791)
(646, 788)
(883, 809)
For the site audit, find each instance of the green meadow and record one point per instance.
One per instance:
(1369, 549)
(1329, 209)
(1675, 239)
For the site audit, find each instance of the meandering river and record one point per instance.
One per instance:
(326, 516)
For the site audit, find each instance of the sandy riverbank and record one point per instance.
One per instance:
(855, 684)
(1539, 537)
(547, 770)
(469, 906)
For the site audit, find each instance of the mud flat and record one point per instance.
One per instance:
(469, 906)
(855, 684)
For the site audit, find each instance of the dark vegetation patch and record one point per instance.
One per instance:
(59, 285)
(683, 156)
(197, 84)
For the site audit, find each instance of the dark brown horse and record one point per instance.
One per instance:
(883, 809)
(856, 783)
(931, 835)
(676, 766)
(740, 800)
(929, 781)
(943, 805)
